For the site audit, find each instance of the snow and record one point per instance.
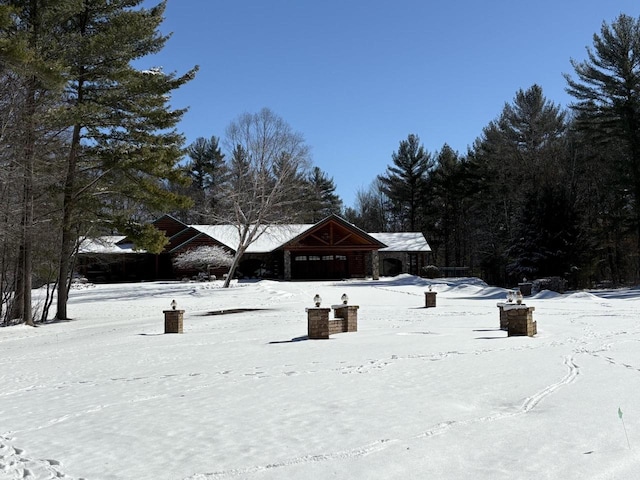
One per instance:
(415, 393)
(402, 241)
(273, 237)
(106, 244)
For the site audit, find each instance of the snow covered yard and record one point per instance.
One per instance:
(416, 393)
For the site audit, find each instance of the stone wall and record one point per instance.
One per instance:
(320, 326)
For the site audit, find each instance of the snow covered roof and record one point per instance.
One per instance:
(274, 236)
(402, 241)
(106, 244)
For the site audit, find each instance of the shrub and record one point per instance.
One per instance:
(430, 271)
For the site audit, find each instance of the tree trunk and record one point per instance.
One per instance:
(233, 267)
(68, 239)
(22, 301)
(27, 314)
(17, 304)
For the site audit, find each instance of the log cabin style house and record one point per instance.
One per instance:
(330, 249)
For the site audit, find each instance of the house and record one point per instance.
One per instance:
(330, 249)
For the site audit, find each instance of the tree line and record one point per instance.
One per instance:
(543, 191)
(90, 146)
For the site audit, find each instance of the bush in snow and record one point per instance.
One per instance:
(430, 271)
(203, 258)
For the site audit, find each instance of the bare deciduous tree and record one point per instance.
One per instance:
(267, 169)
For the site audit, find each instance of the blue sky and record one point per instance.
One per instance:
(355, 77)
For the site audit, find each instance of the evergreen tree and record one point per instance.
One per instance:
(121, 143)
(534, 128)
(123, 130)
(28, 46)
(447, 208)
(546, 243)
(519, 154)
(321, 199)
(404, 181)
(207, 170)
(607, 108)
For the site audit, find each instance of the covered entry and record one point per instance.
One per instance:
(332, 249)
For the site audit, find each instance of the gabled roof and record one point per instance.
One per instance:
(335, 232)
(170, 225)
(190, 238)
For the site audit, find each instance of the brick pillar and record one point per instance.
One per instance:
(520, 321)
(348, 313)
(430, 299)
(503, 316)
(173, 321)
(318, 322)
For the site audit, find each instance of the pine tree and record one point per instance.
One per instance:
(607, 108)
(28, 42)
(321, 197)
(519, 154)
(123, 137)
(74, 62)
(447, 208)
(404, 181)
(534, 128)
(207, 170)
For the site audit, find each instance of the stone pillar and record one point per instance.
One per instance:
(349, 313)
(375, 265)
(503, 315)
(287, 265)
(173, 321)
(318, 322)
(520, 320)
(430, 299)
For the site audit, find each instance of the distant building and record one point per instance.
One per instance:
(330, 249)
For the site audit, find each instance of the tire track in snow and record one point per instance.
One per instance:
(529, 404)
(340, 455)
